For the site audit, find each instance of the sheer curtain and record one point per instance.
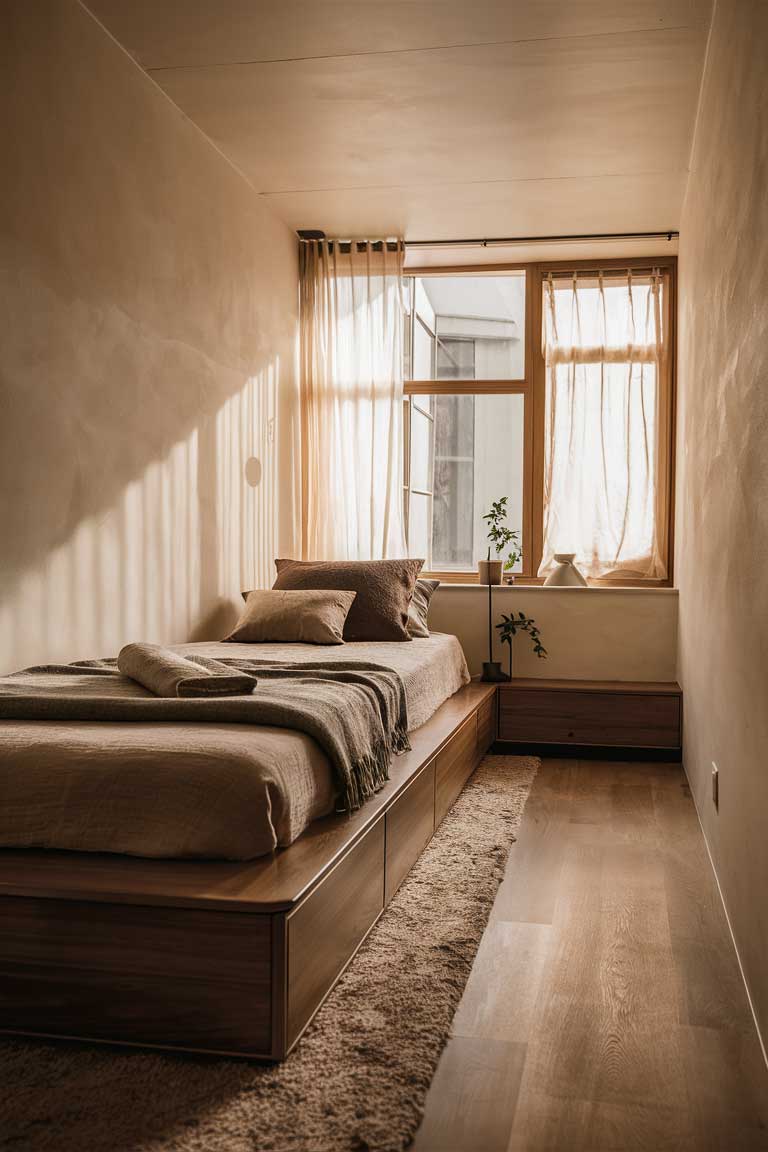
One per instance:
(604, 351)
(352, 401)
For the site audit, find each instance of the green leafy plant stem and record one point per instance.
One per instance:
(501, 537)
(511, 625)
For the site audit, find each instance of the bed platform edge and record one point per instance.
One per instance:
(215, 957)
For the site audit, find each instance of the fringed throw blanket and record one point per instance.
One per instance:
(356, 712)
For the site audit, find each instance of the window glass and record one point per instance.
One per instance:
(423, 351)
(421, 445)
(477, 324)
(419, 524)
(474, 447)
(455, 359)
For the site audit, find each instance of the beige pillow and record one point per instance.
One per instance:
(384, 590)
(419, 607)
(300, 617)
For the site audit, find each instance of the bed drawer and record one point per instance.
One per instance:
(608, 718)
(326, 928)
(177, 977)
(486, 724)
(454, 765)
(410, 824)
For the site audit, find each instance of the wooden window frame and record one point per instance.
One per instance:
(533, 388)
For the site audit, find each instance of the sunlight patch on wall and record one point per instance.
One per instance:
(130, 573)
(168, 560)
(160, 519)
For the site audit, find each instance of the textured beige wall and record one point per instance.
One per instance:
(589, 633)
(149, 322)
(722, 506)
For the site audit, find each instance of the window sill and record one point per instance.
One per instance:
(538, 589)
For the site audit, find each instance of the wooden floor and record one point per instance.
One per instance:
(605, 1010)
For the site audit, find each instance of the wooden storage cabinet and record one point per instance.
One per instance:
(183, 978)
(454, 765)
(351, 902)
(592, 714)
(486, 724)
(410, 824)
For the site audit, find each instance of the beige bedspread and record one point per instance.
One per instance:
(206, 790)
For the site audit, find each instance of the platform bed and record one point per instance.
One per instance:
(232, 959)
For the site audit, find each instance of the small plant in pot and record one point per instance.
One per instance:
(509, 628)
(500, 537)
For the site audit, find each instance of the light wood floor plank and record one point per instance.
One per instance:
(711, 992)
(605, 1011)
(591, 1126)
(529, 894)
(476, 1086)
(502, 992)
(729, 1105)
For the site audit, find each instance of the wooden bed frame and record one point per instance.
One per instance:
(217, 957)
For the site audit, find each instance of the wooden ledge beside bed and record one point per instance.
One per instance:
(216, 957)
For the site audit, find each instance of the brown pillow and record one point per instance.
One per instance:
(419, 607)
(384, 590)
(301, 617)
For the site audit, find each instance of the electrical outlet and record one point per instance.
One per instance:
(715, 785)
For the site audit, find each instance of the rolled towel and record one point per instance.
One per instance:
(167, 674)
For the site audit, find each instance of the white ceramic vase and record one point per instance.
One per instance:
(566, 574)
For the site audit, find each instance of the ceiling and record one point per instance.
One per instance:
(438, 118)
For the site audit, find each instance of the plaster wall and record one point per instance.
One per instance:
(589, 633)
(149, 304)
(722, 498)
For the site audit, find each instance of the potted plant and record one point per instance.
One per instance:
(489, 571)
(499, 538)
(511, 625)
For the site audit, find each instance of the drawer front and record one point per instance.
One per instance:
(454, 765)
(486, 724)
(177, 977)
(410, 824)
(630, 719)
(327, 927)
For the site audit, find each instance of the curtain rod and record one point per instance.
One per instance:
(637, 269)
(502, 241)
(506, 241)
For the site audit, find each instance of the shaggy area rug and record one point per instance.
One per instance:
(359, 1076)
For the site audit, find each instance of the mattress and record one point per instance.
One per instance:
(230, 791)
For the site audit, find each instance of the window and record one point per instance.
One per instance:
(467, 327)
(465, 451)
(551, 386)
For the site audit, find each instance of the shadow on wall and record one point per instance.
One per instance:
(146, 293)
(168, 557)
